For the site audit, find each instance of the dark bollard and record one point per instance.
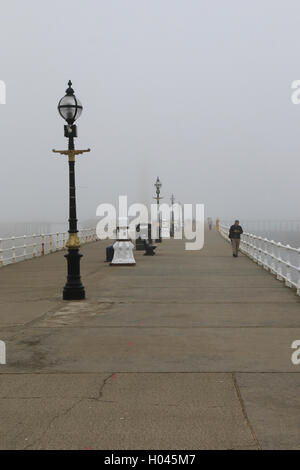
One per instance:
(109, 253)
(139, 244)
(149, 248)
(144, 241)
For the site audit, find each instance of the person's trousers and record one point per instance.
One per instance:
(235, 243)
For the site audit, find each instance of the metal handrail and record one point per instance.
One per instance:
(38, 245)
(269, 254)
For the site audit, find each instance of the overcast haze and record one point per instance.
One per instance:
(196, 92)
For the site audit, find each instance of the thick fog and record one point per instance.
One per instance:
(197, 92)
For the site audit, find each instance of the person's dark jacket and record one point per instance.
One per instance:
(235, 231)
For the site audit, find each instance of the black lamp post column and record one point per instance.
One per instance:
(158, 198)
(73, 289)
(172, 231)
(70, 108)
(158, 240)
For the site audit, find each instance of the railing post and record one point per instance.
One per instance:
(250, 246)
(266, 253)
(34, 251)
(279, 262)
(259, 251)
(64, 240)
(255, 248)
(13, 248)
(272, 254)
(298, 283)
(43, 245)
(51, 243)
(288, 280)
(246, 238)
(24, 248)
(57, 242)
(1, 254)
(262, 252)
(242, 244)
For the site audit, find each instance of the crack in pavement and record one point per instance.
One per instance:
(243, 408)
(64, 413)
(100, 393)
(59, 415)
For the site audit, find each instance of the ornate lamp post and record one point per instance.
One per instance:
(172, 231)
(158, 185)
(70, 109)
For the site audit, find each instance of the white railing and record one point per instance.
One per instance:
(281, 260)
(16, 249)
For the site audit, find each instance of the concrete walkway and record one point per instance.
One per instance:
(187, 350)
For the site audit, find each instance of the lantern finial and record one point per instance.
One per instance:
(70, 90)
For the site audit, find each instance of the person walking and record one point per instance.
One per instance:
(235, 232)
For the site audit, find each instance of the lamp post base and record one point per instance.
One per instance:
(70, 293)
(74, 289)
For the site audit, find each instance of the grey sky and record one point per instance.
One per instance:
(197, 92)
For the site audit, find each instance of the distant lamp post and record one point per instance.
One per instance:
(172, 231)
(70, 109)
(158, 185)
